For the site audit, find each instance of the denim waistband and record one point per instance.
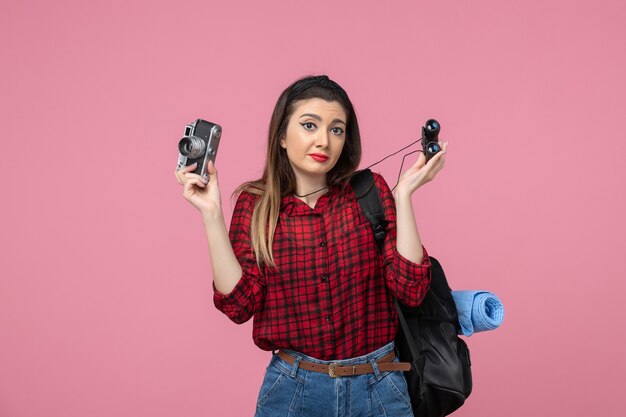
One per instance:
(375, 355)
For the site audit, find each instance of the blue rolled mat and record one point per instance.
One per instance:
(478, 311)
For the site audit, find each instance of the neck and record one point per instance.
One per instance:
(312, 192)
(310, 185)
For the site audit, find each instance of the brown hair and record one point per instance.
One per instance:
(278, 177)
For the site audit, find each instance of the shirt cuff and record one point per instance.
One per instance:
(223, 301)
(407, 268)
(237, 305)
(412, 280)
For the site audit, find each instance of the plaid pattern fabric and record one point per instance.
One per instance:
(331, 295)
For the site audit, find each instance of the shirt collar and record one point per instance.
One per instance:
(293, 206)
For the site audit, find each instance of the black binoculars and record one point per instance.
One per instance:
(430, 138)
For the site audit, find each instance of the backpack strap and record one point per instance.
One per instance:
(368, 198)
(366, 194)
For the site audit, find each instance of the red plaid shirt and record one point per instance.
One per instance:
(331, 295)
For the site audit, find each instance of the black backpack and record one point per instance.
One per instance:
(440, 378)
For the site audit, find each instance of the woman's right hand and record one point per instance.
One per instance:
(205, 196)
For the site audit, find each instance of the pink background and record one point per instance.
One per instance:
(105, 293)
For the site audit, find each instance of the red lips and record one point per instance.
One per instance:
(319, 157)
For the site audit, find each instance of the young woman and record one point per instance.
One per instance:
(301, 258)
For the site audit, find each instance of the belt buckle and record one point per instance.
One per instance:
(331, 370)
(333, 374)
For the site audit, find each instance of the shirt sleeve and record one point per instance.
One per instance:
(247, 297)
(408, 281)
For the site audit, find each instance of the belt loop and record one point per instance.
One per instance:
(295, 366)
(376, 370)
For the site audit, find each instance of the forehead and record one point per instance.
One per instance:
(319, 107)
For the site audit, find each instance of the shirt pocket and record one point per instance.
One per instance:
(358, 253)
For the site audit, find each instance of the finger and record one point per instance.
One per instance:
(191, 176)
(200, 183)
(211, 170)
(434, 159)
(190, 184)
(421, 161)
(178, 180)
(442, 159)
(444, 152)
(187, 189)
(440, 165)
(189, 168)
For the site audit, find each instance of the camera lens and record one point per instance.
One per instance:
(191, 147)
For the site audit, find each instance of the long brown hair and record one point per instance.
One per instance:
(278, 178)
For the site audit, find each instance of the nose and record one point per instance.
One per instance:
(322, 139)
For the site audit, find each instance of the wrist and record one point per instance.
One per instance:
(212, 217)
(401, 195)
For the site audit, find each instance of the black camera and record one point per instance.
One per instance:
(199, 144)
(430, 138)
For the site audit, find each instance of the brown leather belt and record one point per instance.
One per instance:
(385, 364)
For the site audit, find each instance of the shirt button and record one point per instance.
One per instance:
(324, 278)
(323, 244)
(328, 319)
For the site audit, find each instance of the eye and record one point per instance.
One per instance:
(337, 130)
(308, 125)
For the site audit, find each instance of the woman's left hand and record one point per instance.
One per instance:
(421, 172)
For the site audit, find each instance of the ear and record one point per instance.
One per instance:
(283, 144)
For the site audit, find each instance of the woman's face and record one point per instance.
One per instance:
(314, 138)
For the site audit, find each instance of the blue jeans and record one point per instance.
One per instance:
(288, 390)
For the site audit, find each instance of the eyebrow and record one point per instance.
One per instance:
(316, 117)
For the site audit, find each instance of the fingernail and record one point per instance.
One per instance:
(194, 164)
(205, 180)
